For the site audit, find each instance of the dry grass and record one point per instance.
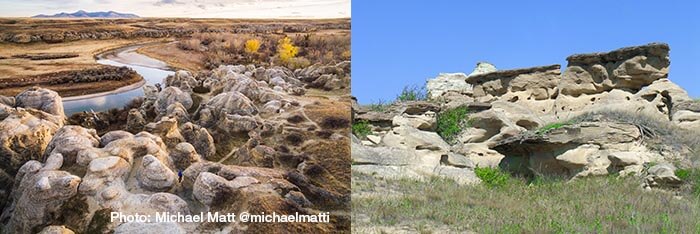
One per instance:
(229, 48)
(86, 50)
(590, 205)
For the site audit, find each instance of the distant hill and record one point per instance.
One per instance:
(84, 14)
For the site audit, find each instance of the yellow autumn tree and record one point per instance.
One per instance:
(286, 49)
(252, 46)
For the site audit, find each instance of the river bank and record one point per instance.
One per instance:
(150, 71)
(72, 76)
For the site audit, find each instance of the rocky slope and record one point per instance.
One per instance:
(614, 112)
(247, 140)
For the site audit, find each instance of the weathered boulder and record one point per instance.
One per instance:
(71, 139)
(535, 83)
(135, 121)
(422, 122)
(210, 188)
(573, 150)
(155, 176)
(200, 138)
(39, 194)
(223, 104)
(404, 137)
(54, 229)
(687, 115)
(625, 68)
(662, 175)
(184, 155)
(237, 124)
(172, 95)
(182, 80)
(479, 154)
(24, 135)
(448, 82)
(150, 228)
(113, 136)
(456, 82)
(167, 129)
(45, 100)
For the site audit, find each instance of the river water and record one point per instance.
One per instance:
(152, 70)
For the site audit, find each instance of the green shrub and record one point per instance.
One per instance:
(361, 129)
(492, 177)
(412, 93)
(451, 122)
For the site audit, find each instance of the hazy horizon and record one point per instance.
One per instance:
(252, 9)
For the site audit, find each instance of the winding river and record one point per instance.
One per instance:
(152, 70)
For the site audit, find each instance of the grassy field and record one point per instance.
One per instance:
(590, 205)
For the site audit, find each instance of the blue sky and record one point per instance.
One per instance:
(404, 43)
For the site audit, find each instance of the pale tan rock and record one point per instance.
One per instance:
(70, 140)
(184, 155)
(155, 176)
(45, 100)
(54, 229)
(479, 154)
(208, 187)
(169, 96)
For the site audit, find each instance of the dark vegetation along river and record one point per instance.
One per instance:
(152, 70)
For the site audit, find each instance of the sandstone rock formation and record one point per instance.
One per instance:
(224, 155)
(615, 112)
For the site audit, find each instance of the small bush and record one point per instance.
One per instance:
(492, 177)
(252, 46)
(294, 138)
(333, 122)
(412, 93)
(451, 122)
(286, 49)
(361, 129)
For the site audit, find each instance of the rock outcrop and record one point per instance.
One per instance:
(615, 112)
(224, 155)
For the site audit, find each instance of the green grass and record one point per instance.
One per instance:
(691, 177)
(451, 122)
(587, 205)
(492, 177)
(412, 93)
(552, 126)
(361, 129)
